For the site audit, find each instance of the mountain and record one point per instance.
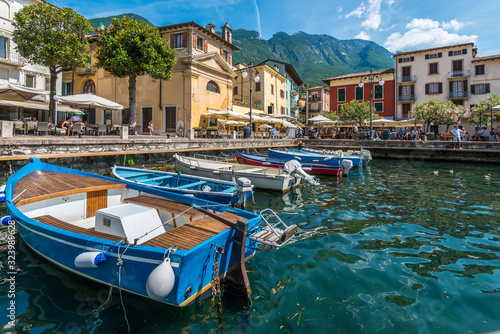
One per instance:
(106, 21)
(314, 57)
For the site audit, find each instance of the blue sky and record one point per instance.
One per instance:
(398, 25)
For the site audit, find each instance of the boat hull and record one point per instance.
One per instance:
(309, 157)
(261, 160)
(275, 182)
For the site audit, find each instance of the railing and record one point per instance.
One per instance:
(86, 71)
(408, 78)
(247, 104)
(12, 57)
(459, 74)
(314, 99)
(459, 95)
(407, 98)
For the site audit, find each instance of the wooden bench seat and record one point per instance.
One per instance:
(173, 207)
(53, 221)
(192, 185)
(446, 136)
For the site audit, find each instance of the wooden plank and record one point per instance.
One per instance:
(173, 207)
(43, 185)
(96, 200)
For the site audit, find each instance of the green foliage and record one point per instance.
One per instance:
(128, 48)
(331, 115)
(52, 37)
(358, 111)
(127, 160)
(480, 114)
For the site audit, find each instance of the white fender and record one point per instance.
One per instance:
(161, 281)
(90, 259)
(2, 193)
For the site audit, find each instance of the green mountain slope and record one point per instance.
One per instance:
(314, 57)
(96, 23)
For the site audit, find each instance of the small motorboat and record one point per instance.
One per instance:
(310, 168)
(226, 192)
(362, 153)
(261, 177)
(150, 242)
(312, 157)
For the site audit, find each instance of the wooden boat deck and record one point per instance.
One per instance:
(41, 185)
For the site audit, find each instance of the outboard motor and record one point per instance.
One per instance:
(294, 167)
(346, 166)
(244, 185)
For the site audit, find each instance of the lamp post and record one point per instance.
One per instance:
(370, 79)
(251, 70)
(56, 98)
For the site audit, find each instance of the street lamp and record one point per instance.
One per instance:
(252, 78)
(370, 79)
(56, 98)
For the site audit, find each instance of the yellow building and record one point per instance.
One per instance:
(201, 82)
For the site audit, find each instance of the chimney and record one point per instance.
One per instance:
(227, 33)
(211, 28)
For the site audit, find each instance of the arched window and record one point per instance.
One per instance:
(212, 87)
(89, 87)
(4, 10)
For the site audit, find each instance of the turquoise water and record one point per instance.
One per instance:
(394, 248)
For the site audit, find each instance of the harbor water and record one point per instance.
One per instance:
(398, 247)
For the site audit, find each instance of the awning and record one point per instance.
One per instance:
(35, 105)
(90, 100)
(14, 92)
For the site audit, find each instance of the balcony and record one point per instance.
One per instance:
(406, 98)
(294, 92)
(408, 78)
(12, 58)
(314, 99)
(294, 107)
(459, 74)
(459, 95)
(91, 70)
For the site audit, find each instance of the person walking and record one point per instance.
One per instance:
(456, 137)
(150, 127)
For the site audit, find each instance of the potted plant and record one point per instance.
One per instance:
(211, 130)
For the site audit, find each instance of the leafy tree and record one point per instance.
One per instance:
(479, 114)
(331, 115)
(358, 111)
(52, 37)
(438, 112)
(128, 48)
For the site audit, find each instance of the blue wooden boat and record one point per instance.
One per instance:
(225, 192)
(312, 157)
(143, 240)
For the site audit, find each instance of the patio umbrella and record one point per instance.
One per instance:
(13, 92)
(237, 123)
(265, 126)
(408, 122)
(383, 122)
(90, 100)
(225, 115)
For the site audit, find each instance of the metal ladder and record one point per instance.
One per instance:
(275, 234)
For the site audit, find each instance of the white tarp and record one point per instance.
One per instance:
(13, 92)
(90, 100)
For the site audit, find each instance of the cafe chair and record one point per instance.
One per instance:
(43, 127)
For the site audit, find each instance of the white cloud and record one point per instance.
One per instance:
(415, 39)
(373, 17)
(389, 2)
(363, 35)
(358, 12)
(339, 9)
(426, 33)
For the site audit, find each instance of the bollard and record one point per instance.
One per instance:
(124, 132)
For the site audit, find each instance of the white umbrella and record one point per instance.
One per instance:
(91, 100)
(496, 107)
(320, 119)
(266, 126)
(13, 92)
(226, 115)
(237, 123)
(383, 122)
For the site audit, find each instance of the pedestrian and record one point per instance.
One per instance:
(496, 133)
(150, 127)
(456, 137)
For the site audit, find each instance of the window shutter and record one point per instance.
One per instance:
(229, 59)
(194, 40)
(412, 58)
(440, 88)
(426, 56)
(184, 39)
(465, 84)
(63, 89)
(400, 60)
(70, 90)
(440, 55)
(450, 53)
(426, 89)
(172, 37)
(464, 51)
(451, 87)
(400, 90)
(472, 89)
(205, 48)
(222, 52)
(412, 90)
(487, 88)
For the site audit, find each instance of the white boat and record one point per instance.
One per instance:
(261, 177)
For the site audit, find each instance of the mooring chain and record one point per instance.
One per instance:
(216, 291)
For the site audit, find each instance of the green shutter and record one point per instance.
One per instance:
(63, 89)
(70, 89)
(359, 93)
(378, 91)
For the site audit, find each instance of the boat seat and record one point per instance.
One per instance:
(163, 177)
(250, 170)
(131, 177)
(192, 185)
(228, 190)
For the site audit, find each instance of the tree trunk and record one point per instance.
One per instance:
(52, 102)
(132, 98)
